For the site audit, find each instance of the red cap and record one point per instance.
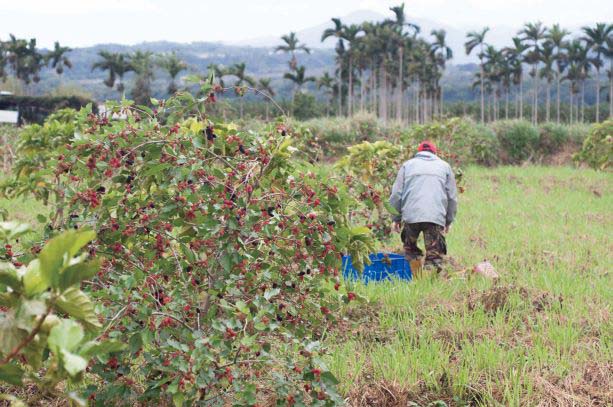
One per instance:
(427, 146)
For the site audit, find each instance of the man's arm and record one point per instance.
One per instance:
(452, 197)
(396, 196)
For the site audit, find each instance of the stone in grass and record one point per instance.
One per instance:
(486, 270)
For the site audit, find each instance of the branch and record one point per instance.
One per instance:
(26, 340)
(173, 317)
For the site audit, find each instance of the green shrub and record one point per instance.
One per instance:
(552, 137)
(460, 140)
(485, 146)
(578, 132)
(597, 150)
(305, 106)
(518, 140)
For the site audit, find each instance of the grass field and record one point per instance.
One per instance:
(541, 335)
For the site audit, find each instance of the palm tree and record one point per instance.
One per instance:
(338, 32)
(23, 58)
(239, 70)
(326, 82)
(477, 39)
(609, 54)
(350, 34)
(265, 87)
(596, 40)
(574, 72)
(555, 35)
(403, 42)
(118, 64)
(3, 61)
(533, 33)
(443, 54)
(291, 46)
(173, 65)
(578, 70)
(494, 74)
(548, 58)
(142, 63)
(57, 58)
(299, 78)
(516, 56)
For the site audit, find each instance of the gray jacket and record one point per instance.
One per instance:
(425, 191)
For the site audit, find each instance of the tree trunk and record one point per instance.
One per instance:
(535, 106)
(597, 95)
(583, 101)
(611, 88)
(441, 100)
(521, 97)
(399, 85)
(558, 96)
(506, 103)
(362, 90)
(373, 89)
(482, 94)
(350, 91)
(340, 87)
(417, 103)
(548, 101)
(570, 104)
(267, 106)
(382, 95)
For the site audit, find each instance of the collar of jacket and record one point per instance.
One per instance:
(427, 155)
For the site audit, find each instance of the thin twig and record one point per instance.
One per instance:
(26, 340)
(173, 317)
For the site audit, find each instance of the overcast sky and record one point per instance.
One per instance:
(86, 22)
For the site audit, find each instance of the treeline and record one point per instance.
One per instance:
(388, 68)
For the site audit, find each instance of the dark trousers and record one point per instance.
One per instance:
(434, 239)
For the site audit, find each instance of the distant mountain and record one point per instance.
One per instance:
(499, 36)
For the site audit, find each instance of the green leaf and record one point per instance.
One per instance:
(73, 364)
(78, 272)
(10, 334)
(390, 208)
(242, 307)
(12, 230)
(66, 335)
(33, 281)
(269, 293)
(177, 399)
(9, 277)
(77, 304)
(59, 251)
(79, 401)
(92, 348)
(329, 379)
(11, 374)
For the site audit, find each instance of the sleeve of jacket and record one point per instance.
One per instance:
(396, 196)
(452, 197)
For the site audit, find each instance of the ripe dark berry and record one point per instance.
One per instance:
(210, 135)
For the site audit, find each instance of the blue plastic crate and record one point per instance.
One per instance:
(384, 266)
